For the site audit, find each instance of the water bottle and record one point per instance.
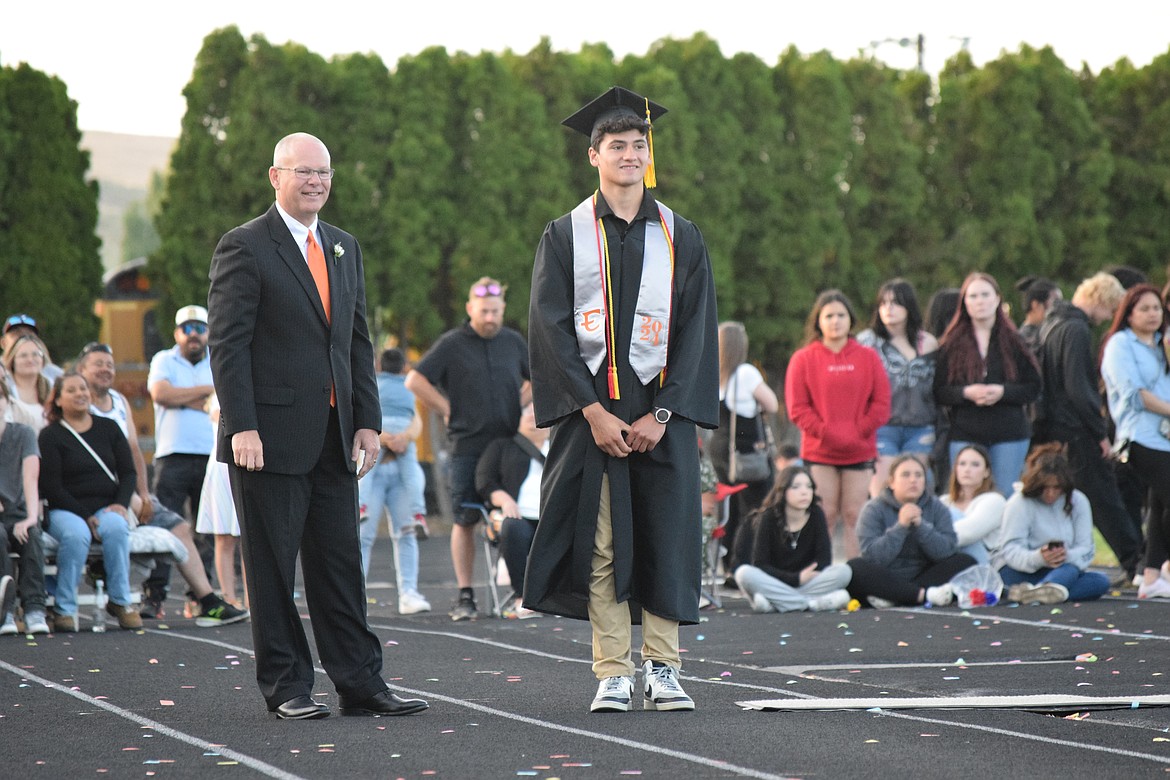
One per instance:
(99, 604)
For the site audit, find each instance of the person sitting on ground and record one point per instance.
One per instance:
(908, 544)
(508, 478)
(20, 465)
(25, 360)
(87, 478)
(1047, 543)
(96, 366)
(976, 506)
(786, 551)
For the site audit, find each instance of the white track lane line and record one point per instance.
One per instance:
(664, 751)
(159, 728)
(944, 613)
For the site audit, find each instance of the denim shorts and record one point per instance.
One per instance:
(895, 439)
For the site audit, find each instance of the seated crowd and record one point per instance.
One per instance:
(71, 474)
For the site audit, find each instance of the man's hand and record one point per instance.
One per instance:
(607, 430)
(365, 440)
(645, 433)
(146, 511)
(397, 442)
(21, 529)
(248, 450)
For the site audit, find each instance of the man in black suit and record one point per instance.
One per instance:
(294, 372)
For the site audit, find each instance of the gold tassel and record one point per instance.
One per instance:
(650, 180)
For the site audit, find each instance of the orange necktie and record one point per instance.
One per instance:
(319, 271)
(321, 277)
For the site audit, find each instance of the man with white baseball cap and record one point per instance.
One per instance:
(180, 385)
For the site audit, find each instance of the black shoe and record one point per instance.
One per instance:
(220, 613)
(301, 708)
(384, 703)
(464, 609)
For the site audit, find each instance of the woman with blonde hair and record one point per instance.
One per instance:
(25, 360)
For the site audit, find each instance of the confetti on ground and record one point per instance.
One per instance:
(166, 702)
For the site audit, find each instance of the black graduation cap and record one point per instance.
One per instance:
(615, 102)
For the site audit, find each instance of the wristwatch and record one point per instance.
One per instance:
(662, 415)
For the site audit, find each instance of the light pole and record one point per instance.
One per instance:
(905, 43)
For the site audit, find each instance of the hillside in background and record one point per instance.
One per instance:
(122, 165)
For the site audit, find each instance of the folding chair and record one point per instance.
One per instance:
(713, 543)
(491, 552)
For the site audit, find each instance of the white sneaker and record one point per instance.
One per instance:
(760, 603)
(7, 593)
(1049, 593)
(940, 595)
(661, 689)
(613, 695)
(830, 602)
(1158, 589)
(8, 628)
(411, 602)
(35, 622)
(879, 603)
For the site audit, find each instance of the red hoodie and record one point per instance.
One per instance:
(838, 400)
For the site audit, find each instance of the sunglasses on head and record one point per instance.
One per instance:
(95, 346)
(193, 328)
(19, 319)
(484, 290)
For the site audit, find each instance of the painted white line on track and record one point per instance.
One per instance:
(936, 612)
(692, 758)
(158, 728)
(685, 756)
(1032, 737)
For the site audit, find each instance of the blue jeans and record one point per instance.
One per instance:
(1082, 585)
(73, 540)
(895, 439)
(396, 486)
(1007, 461)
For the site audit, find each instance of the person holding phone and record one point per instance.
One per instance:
(1047, 542)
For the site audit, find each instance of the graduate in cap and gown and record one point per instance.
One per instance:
(623, 345)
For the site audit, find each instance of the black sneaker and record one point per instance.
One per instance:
(221, 614)
(464, 609)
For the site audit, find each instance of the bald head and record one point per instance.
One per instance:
(297, 163)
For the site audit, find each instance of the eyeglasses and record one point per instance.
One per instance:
(193, 328)
(307, 173)
(95, 346)
(484, 290)
(19, 319)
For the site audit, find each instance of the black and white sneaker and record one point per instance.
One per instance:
(613, 695)
(464, 609)
(661, 689)
(220, 614)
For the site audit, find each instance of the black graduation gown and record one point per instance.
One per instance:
(654, 496)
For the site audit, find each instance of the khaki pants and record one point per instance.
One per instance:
(612, 631)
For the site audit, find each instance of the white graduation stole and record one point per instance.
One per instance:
(593, 295)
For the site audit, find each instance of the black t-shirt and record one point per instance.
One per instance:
(481, 378)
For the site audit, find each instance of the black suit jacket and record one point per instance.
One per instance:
(274, 355)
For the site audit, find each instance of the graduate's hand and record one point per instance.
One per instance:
(607, 430)
(645, 433)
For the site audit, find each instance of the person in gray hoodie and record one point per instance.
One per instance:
(908, 543)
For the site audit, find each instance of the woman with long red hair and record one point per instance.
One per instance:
(986, 375)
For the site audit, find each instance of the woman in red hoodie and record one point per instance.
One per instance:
(838, 395)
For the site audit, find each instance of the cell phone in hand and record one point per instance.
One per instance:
(1056, 544)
